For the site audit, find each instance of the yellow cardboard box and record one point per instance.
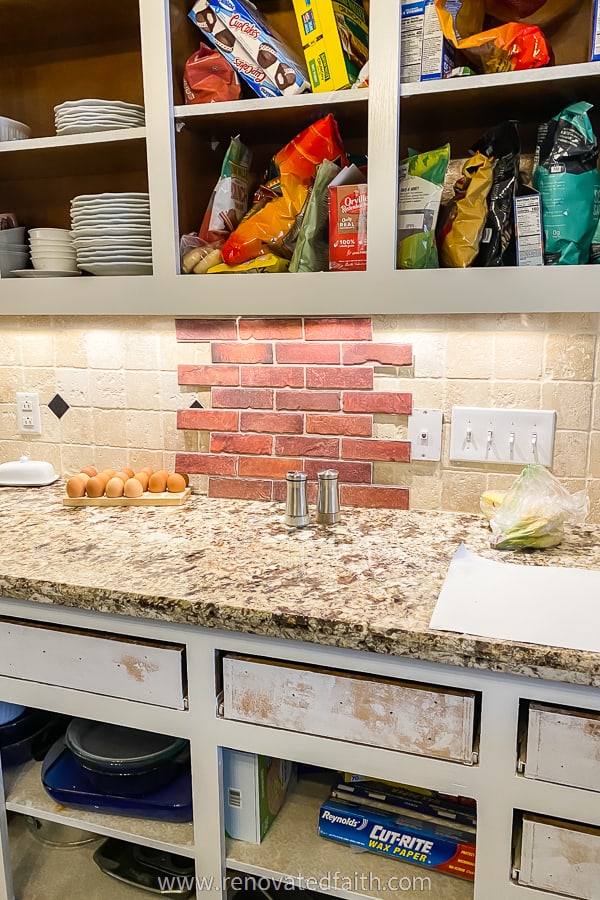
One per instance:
(335, 40)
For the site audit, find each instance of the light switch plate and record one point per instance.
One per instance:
(425, 434)
(507, 436)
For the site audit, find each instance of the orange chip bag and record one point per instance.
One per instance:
(266, 226)
(502, 49)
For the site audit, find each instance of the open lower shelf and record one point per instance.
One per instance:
(25, 794)
(292, 849)
(40, 872)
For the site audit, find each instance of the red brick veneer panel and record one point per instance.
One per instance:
(377, 497)
(252, 444)
(209, 376)
(208, 419)
(273, 376)
(351, 426)
(270, 329)
(380, 451)
(319, 401)
(239, 489)
(338, 329)
(357, 354)
(377, 402)
(272, 423)
(236, 352)
(205, 464)
(205, 329)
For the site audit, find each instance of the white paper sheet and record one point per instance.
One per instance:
(548, 605)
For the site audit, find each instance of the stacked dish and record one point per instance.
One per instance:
(80, 116)
(52, 251)
(111, 233)
(11, 130)
(14, 254)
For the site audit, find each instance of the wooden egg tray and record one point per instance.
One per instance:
(148, 498)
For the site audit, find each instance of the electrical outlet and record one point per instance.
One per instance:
(28, 413)
(511, 436)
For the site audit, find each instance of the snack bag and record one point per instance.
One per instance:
(497, 245)
(421, 180)
(567, 178)
(533, 512)
(209, 78)
(311, 253)
(463, 219)
(266, 263)
(229, 201)
(505, 48)
(265, 228)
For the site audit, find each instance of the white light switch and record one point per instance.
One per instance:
(510, 436)
(425, 434)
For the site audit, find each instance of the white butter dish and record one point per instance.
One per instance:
(27, 473)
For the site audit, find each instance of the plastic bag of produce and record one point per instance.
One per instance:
(462, 220)
(497, 245)
(505, 48)
(567, 178)
(534, 511)
(421, 181)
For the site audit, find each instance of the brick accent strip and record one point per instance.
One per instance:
(351, 426)
(377, 402)
(207, 420)
(208, 376)
(239, 489)
(386, 451)
(205, 464)
(273, 376)
(338, 329)
(379, 354)
(292, 393)
(205, 329)
(375, 497)
(270, 329)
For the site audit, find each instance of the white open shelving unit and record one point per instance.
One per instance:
(137, 53)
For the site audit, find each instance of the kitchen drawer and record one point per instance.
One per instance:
(561, 857)
(397, 715)
(100, 663)
(563, 746)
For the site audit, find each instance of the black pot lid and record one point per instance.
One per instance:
(107, 747)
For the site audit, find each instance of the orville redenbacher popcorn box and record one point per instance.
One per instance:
(255, 50)
(347, 226)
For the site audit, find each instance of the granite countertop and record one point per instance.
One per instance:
(367, 583)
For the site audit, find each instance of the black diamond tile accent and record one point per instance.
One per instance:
(58, 406)
(196, 405)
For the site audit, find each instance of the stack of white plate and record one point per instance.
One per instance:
(52, 251)
(79, 116)
(111, 233)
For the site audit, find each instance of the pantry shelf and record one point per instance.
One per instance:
(292, 849)
(73, 140)
(25, 794)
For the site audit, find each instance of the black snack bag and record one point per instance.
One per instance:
(497, 245)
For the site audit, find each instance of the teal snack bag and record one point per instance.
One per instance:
(567, 178)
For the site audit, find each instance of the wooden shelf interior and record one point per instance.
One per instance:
(56, 50)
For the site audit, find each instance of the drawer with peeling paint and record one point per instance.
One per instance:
(107, 664)
(560, 857)
(562, 746)
(408, 716)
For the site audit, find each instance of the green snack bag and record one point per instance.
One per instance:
(567, 178)
(421, 179)
(311, 253)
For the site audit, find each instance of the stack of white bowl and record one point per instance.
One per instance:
(52, 250)
(14, 253)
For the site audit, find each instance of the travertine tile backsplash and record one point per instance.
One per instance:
(119, 378)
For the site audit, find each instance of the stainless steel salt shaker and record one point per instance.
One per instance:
(296, 505)
(328, 498)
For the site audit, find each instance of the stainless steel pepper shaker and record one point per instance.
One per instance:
(296, 505)
(328, 498)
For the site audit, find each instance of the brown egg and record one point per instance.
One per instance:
(90, 471)
(185, 477)
(158, 481)
(75, 486)
(176, 483)
(108, 472)
(103, 477)
(114, 487)
(95, 486)
(133, 488)
(124, 476)
(129, 471)
(84, 477)
(148, 470)
(143, 479)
